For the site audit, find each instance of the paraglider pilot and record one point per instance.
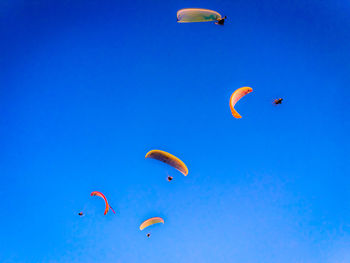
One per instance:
(278, 101)
(221, 21)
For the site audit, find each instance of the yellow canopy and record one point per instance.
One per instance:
(188, 15)
(168, 159)
(151, 221)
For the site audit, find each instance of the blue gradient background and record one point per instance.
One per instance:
(88, 87)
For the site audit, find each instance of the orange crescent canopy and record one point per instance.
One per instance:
(151, 221)
(168, 159)
(236, 96)
(96, 193)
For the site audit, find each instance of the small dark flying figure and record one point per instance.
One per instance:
(221, 21)
(148, 235)
(170, 178)
(80, 213)
(278, 101)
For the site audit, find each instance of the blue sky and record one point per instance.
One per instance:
(87, 88)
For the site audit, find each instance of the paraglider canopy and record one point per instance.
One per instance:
(236, 96)
(189, 15)
(151, 221)
(96, 193)
(168, 159)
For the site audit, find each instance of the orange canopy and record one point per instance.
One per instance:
(236, 96)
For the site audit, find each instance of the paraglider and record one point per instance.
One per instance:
(168, 159)
(190, 15)
(149, 222)
(96, 193)
(278, 101)
(236, 96)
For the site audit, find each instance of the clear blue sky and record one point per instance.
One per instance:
(88, 87)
